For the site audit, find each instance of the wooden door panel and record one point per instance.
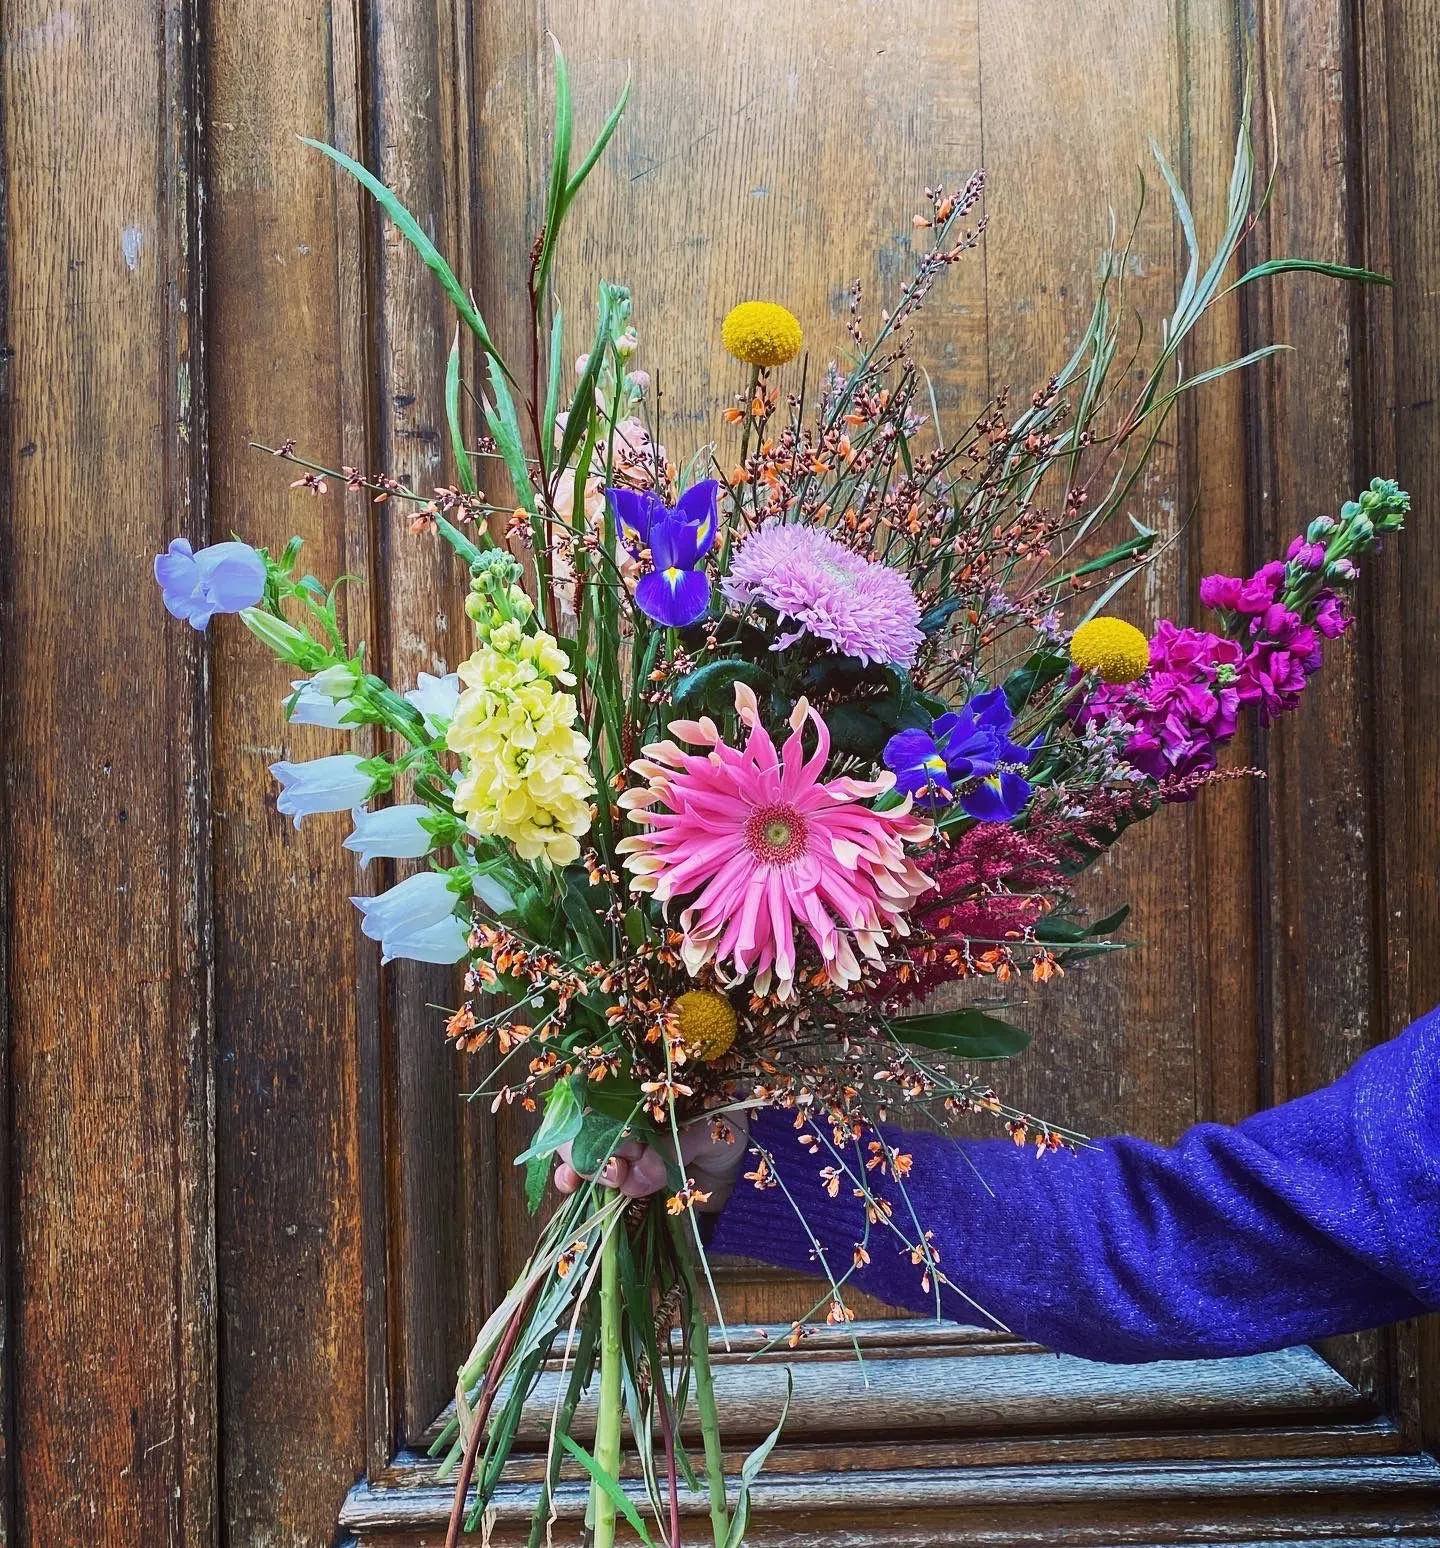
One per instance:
(320, 1221)
(724, 182)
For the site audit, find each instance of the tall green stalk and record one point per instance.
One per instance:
(607, 1421)
(709, 1419)
(704, 1389)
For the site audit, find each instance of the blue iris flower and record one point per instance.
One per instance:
(676, 592)
(967, 746)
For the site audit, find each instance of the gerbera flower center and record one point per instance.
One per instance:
(775, 835)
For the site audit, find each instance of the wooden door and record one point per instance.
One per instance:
(249, 1225)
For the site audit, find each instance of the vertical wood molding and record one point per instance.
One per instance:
(7, 742)
(110, 1197)
(419, 148)
(286, 355)
(1399, 64)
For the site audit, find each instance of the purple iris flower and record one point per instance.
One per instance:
(972, 743)
(997, 798)
(224, 578)
(637, 510)
(919, 766)
(676, 592)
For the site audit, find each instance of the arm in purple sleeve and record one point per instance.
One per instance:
(1320, 1216)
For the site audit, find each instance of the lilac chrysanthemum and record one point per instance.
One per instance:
(862, 608)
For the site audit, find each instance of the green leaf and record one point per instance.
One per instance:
(617, 1096)
(607, 131)
(582, 406)
(414, 233)
(505, 427)
(854, 730)
(588, 929)
(537, 1174)
(940, 615)
(1041, 669)
(609, 1485)
(464, 471)
(1309, 265)
(562, 1121)
(552, 381)
(600, 1135)
(712, 685)
(965, 1034)
(458, 541)
(1055, 931)
(1111, 922)
(750, 1468)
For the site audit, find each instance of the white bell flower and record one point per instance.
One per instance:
(335, 784)
(393, 833)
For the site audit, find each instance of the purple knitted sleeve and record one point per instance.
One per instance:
(1320, 1216)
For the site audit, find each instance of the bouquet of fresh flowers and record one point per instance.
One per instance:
(751, 754)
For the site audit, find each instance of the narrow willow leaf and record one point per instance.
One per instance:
(1216, 372)
(464, 472)
(414, 233)
(552, 384)
(582, 408)
(555, 201)
(598, 148)
(1310, 266)
(610, 1486)
(1141, 543)
(505, 427)
(750, 1469)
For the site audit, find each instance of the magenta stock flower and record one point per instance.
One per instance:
(761, 846)
(1184, 706)
(862, 608)
(1176, 717)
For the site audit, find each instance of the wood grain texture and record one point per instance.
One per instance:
(1329, 1502)
(109, 1202)
(248, 1224)
(1407, 82)
(288, 1140)
(420, 151)
(946, 1393)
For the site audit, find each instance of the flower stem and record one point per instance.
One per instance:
(709, 1419)
(607, 1421)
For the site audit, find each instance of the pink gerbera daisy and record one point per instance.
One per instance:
(760, 844)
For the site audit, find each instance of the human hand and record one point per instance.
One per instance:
(712, 1149)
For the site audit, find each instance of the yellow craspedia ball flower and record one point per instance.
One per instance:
(762, 333)
(1114, 650)
(707, 1023)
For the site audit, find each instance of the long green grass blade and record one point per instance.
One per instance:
(464, 472)
(1340, 271)
(582, 407)
(552, 384)
(607, 132)
(505, 427)
(414, 233)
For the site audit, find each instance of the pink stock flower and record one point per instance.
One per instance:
(759, 844)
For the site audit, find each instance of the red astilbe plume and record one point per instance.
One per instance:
(990, 888)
